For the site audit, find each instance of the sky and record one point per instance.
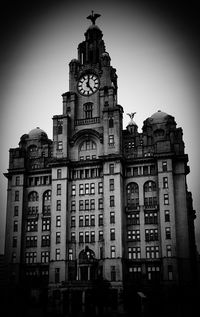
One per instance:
(154, 45)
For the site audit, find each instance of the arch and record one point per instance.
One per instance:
(86, 133)
(47, 195)
(132, 193)
(33, 196)
(87, 254)
(132, 188)
(150, 186)
(88, 144)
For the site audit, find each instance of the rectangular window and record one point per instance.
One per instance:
(165, 182)
(16, 211)
(111, 184)
(93, 171)
(92, 220)
(57, 275)
(58, 192)
(166, 199)
(57, 255)
(151, 217)
(170, 272)
(15, 226)
(58, 237)
(100, 188)
(111, 139)
(134, 235)
(92, 188)
(87, 171)
(168, 233)
(87, 204)
(14, 244)
(32, 225)
(80, 221)
(169, 251)
(81, 190)
(100, 203)
(80, 237)
(134, 253)
(59, 173)
(133, 218)
(81, 205)
(86, 220)
(60, 145)
(17, 181)
(92, 236)
(87, 237)
(153, 273)
(70, 254)
(112, 234)
(16, 195)
(73, 237)
(58, 205)
(151, 234)
(73, 205)
(167, 216)
(73, 221)
(100, 220)
(164, 166)
(112, 252)
(73, 190)
(92, 204)
(112, 217)
(14, 257)
(86, 189)
(101, 235)
(45, 256)
(58, 221)
(113, 274)
(46, 223)
(135, 273)
(152, 252)
(112, 201)
(45, 241)
(111, 168)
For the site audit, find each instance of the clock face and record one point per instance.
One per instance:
(88, 84)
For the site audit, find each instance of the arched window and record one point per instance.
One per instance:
(86, 254)
(47, 195)
(33, 196)
(88, 150)
(132, 192)
(150, 186)
(32, 150)
(88, 145)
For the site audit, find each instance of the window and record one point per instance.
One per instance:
(112, 252)
(80, 237)
(57, 275)
(134, 253)
(30, 257)
(81, 190)
(112, 234)
(81, 205)
(150, 186)
(15, 226)
(135, 273)
(46, 222)
(101, 235)
(113, 274)
(164, 166)
(134, 235)
(58, 237)
(60, 145)
(87, 107)
(59, 173)
(111, 139)
(31, 241)
(70, 254)
(86, 189)
(87, 171)
(92, 236)
(14, 257)
(152, 252)
(33, 196)
(47, 195)
(111, 185)
(58, 205)
(73, 205)
(45, 241)
(100, 188)
(32, 225)
(57, 255)
(151, 218)
(151, 234)
(100, 220)
(111, 122)
(14, 244)
(153, 273)
(80, 221)
(87, 237)
(92, 204)
(112, 217)
(73, 237)
(16, 211)
(92, 188)
(86, 220)
(58, 221)
(73, 190)
(73, 221)
(59, 126)
(87, 204)
(167, 216)
(133, 219)
(170, 272)
(111, 168)
(166, 199)
(92, 220)
(169, 251)
(165, 182)
(168, 233)
(17, 181)
(16, 195)
(100, 203)
(112, 201)
(132, 192)
(58, 192)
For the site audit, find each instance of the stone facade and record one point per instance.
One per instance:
(99, 209)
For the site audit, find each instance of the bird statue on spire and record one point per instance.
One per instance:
(93, 17)
(131, 115)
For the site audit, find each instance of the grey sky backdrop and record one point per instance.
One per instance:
(154, 46)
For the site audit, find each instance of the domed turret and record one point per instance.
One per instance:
(37, 133)
(159, 117)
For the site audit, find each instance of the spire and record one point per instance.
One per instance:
(93, 17)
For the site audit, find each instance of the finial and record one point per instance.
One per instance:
(131, 115)
(93, 17)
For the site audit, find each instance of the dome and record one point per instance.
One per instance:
(158, 117)
(37, 133)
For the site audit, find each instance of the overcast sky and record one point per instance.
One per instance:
(153, 45)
